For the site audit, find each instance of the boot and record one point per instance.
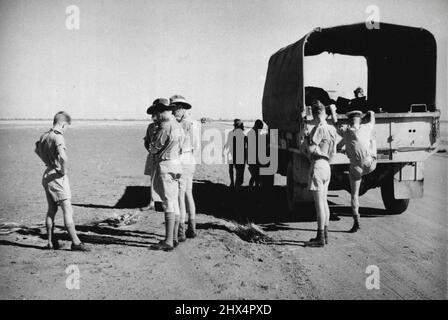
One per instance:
(191, 231)
(355, 227)
(181, 235)
(319, 241)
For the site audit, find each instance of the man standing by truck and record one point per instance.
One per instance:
(320, 147)
(361, 151)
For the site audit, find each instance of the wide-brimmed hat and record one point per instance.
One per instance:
(159, 105)
(179, 101)
(354, 113)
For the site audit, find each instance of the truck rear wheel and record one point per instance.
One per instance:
(393, 206)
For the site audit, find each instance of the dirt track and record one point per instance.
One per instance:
(106, 174)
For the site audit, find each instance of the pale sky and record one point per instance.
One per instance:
(129, 52)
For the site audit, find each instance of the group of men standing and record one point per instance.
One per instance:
(320, 146)
(170, 142)
(241, 149)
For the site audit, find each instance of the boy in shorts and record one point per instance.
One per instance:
(321, 145)
(361, 151)
(51, 149)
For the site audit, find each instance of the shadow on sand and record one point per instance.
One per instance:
(256, 205)
(261, 206)
(133, 197)
(102, 235)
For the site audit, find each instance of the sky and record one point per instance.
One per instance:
(126, 53)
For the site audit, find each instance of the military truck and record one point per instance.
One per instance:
(401, 88)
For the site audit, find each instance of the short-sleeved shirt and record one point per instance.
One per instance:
(168, 141)
(47, 148)
(151, 133)
(324, 137)
(358, 142)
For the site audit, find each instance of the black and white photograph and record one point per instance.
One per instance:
(223, 154)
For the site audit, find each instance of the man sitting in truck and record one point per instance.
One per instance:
(320, 147)
(361, 150)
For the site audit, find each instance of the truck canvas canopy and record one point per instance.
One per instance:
(401, 64)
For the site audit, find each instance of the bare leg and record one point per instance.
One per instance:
(176, 222)
(169, 228)
(191, 209)
(327, 212)
(182, 206)
(49, 221)
(354, 187)
(327, 208)
(67, 210)
(190, 205)
(319, 201)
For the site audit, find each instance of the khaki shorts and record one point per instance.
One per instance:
(188, 163)
(186, 182)
(366, 166)
(320, 174)
(166, 184)
(56, 186)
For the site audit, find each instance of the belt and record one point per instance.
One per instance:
(315, 158)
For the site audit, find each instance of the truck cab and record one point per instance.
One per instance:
(401, 85)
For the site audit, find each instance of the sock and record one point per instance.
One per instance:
(320, 235)
(176, 229)
(169, 227)
(356, 218)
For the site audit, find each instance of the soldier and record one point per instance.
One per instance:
(166, 146)
(186, 200)
(51, 149)
(235, 150)
(360, 147)
(321, 146)
(253, 137)
(151, 133)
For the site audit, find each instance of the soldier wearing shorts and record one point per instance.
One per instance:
(168, 169)
(51, 149)
(186, 200)
(321, 145)
(361, 150)
(151, 133)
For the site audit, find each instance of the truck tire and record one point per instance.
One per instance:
(392, 205)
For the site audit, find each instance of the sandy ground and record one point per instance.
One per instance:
(106, 165)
